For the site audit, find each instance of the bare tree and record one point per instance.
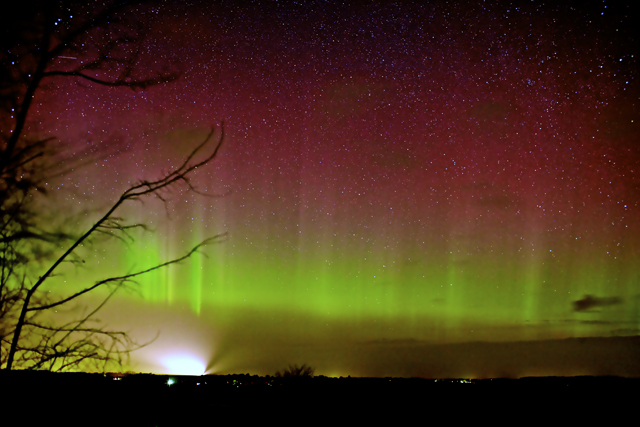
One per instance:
(108, 40)
(295, 371)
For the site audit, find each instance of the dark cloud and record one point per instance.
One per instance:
(399, 341)
(588, 302)
(597, 322)
(626, 332)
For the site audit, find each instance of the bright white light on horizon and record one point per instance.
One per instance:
(183, 365)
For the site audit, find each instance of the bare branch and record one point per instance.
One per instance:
(128, 277)
(112, 59)
(133, 193)
(133, 84)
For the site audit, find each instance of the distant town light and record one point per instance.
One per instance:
(183, 365)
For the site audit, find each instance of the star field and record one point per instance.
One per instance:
(440, 172)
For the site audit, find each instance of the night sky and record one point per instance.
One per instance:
(400, 183)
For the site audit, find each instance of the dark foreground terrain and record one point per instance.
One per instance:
(145, 399)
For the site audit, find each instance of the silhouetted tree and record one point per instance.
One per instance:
(107, 38)
(295, 371)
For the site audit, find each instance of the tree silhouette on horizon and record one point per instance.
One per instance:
(295, 371)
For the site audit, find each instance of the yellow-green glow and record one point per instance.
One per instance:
(484, 291)
(143, 254)
(408, 173)
(196, 283)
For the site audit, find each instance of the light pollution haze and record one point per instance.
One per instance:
(400, 183)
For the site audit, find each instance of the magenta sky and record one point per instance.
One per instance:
(397, 173)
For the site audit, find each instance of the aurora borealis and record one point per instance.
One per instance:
(393, 175)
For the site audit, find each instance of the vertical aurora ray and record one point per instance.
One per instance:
(196, 280)
(169, 282)
(142, 254)
(430, 173)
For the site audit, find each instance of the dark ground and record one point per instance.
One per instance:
(144, 399)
